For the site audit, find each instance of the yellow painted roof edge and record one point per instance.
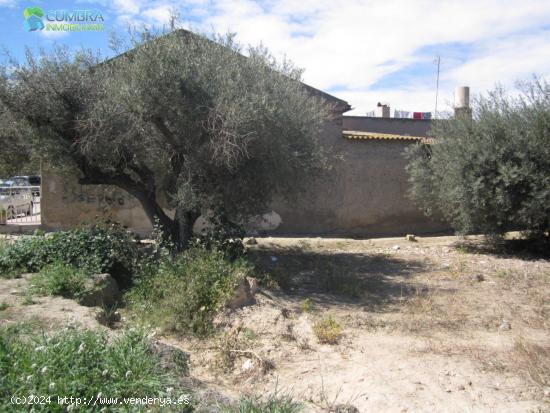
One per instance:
(376, 135)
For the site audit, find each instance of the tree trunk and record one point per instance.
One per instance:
(179, 229)
(182, 230)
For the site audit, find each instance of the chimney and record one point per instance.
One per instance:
(462, 102)
(382, 110)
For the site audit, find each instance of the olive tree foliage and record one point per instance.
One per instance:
(181, 121)
(16, 157)
(490, 173)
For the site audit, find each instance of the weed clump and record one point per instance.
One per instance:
(273, 404)
(328, 330)
(61, 279)
(184, 293)
(307, 305)
(83, 364)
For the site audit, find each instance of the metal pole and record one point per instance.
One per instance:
(437, 86)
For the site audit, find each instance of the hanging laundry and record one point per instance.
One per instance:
(426, 115)
(401, 114)
(417, 115)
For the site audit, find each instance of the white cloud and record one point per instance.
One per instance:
(349, 45)
(7, 3)
(127, 6)
(158, 15)
(512, 58)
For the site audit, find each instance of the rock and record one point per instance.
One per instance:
(461, 387)
(480, 277)
(274, 259)
(172, 357)
(247, 365)
(242, 296)
(254, 285)
(396, 247)
(100, 290)
(251, 241)
(546, 391)
(410, 237)
(505, 326)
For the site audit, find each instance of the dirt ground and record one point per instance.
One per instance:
(45, 312)
(427, 326)
(434, 325)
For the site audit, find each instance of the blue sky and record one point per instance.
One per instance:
(361, 51)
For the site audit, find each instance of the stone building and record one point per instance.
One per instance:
(364, 195)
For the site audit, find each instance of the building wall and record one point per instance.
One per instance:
(411, 127)
(65, 203)
(364, 194)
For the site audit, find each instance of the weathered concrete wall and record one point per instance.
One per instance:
(411, 127)
(364, 195)
(65, 204)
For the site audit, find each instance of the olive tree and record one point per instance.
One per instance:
(490, 173)
(16, 157)
(183, 122)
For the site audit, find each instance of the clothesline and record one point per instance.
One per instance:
(404, 114)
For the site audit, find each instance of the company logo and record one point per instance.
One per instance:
(33, 19)
(63, 20)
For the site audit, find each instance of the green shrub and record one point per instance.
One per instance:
(328, 330)
(60, 279)
(489, 174)
(26, 254)
(183, 294)
(105, 247)
(81, 364)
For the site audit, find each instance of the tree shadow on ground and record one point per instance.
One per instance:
(524, 249)
(371, 281)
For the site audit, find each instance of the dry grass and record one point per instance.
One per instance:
(328, 330)
(533, 361)
(233, 346)
(421, 302)
(226, 356)
(426, 310)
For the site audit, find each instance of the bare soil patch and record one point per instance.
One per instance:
(426, 326)
(48, 313)
(381, 325)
